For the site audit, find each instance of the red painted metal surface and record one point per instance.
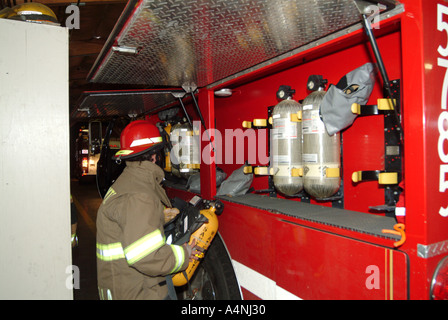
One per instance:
(423, 82)
(311, 263)
(415, 159)
(363, 142)
(435, 65)
(208, 170)
(337, 267)
(317, 261)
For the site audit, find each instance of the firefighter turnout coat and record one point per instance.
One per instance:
(132, 255)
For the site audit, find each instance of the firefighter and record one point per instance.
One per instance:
(133, 259)
(74, 222)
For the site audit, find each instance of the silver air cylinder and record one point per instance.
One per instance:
(185, 155)
(286, 147)
(321, 152)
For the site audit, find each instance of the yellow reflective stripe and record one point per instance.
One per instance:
(124, 152)
(141, 142)
(109, 252)
(144, 246)
(109, 194)
(101, 294)
(179, 256)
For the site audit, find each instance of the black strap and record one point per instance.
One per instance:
(189, 284)
(171, 292)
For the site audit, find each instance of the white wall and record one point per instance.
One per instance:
(34, 161)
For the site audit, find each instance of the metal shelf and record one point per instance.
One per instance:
(133, 103)
(170, 43)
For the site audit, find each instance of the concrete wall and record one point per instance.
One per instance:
(34, 162)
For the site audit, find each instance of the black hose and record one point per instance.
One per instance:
(382, 68)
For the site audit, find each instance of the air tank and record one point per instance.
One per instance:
(321, 152)
(286, 147)
(185, 155)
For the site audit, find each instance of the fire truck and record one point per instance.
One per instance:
(87, 151)
(332, 114)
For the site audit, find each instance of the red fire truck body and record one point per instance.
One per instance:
(287, 248)
(274, 252)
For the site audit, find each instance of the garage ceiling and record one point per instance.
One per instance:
(217, 38)
(97, 19)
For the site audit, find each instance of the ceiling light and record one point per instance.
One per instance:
(225, 92)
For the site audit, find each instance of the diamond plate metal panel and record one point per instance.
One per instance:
(94, 105)
(432, 250)
(202, 41)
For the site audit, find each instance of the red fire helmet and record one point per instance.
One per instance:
(138, 137)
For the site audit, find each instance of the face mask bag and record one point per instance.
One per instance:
(354, 87)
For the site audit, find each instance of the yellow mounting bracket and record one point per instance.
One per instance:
(296, 117)
(382, 105)
(259, 171)
(332, 173)
(297, 172)
(269, 171)
(256, 123)
(262, 171)
(382, 177)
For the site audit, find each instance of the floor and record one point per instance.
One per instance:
(87, 202)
